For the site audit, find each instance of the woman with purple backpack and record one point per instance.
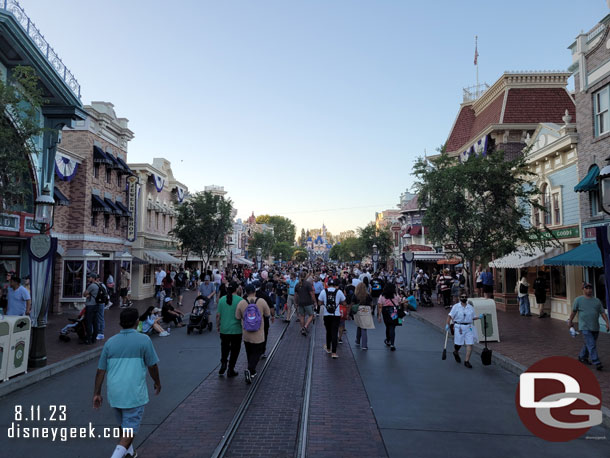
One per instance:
(251, 311)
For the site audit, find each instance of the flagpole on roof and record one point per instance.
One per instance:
(476, 59)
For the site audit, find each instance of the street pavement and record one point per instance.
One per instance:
(422, 406)
(427, 407)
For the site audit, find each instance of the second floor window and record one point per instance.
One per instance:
(96, 170)
(601, 100)
(556, 210)
(108, 175)
(106, 221)
(546, 203)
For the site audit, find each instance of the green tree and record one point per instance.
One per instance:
(370, 235)
(282, 250)
(302, 242)
(263, 240)
(300, 255)
(482, 205)
(202, 224)
(20, 101)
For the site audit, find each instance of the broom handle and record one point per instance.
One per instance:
(446, 336)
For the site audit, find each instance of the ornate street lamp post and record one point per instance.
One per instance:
(375, 257)
(604, 187)
(259, 258)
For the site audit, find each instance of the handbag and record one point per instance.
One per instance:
(344, 309)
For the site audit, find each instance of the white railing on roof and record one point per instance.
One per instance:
(474, 92)
(595, 32)
(13, 7)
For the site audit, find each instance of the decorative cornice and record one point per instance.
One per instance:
(90, 238)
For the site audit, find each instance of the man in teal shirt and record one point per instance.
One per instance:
(589, 310)
(126, 357)
(292, 282)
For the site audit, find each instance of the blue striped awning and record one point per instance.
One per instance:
(585, 255)
(588, 183)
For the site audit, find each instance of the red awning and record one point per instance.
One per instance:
(415, 230)
(449, 262)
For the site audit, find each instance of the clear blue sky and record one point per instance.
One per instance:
(314, 110)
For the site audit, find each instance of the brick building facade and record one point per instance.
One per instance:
(91, 176)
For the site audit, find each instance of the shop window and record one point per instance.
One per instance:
(146, 278)
(9, 248)
(594, 203)
(92, 266)
(499, 281)
(126, 265)
(6, 266)
(96, 170)
(558, 281)
(556, 210)
(73, 279)
(601, 101)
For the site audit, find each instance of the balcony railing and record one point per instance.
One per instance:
(13, 7)
(472, 93)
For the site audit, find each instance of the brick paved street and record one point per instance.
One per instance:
(529, 339)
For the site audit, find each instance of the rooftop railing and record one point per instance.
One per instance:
(474, 92)
(13, 7)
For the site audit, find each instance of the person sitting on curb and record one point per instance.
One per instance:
(170, 314)
(151, 322)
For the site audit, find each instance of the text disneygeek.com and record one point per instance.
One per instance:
(17, 431)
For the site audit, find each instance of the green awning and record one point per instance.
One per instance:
(585, 255)
(588, 183)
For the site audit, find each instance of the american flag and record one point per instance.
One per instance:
(476, 52)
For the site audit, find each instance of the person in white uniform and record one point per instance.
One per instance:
(462, 315)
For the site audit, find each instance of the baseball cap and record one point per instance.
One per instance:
(167, 299)
(587, 285)
(91, 275)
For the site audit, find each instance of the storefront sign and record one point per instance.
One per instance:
(563, 233)
(9, 222)
(132, 194)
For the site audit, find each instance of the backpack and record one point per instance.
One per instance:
(252, 318)
(375, 285)
(102, 295)
(331, 301)
(180, 278)
(349, 293)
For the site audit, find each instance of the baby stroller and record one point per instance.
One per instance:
(199, 318)
(76, 325)
(425, 296)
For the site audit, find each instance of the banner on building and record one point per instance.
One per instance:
(132, 198)
(42, 249)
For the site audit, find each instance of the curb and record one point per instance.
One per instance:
(502, 361)
(25, 380)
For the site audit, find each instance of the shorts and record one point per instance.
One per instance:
(305, 310)
(123, 292)
(479, 285)
(180, 290)
(466, 336)
(488, 289)
(130, 418)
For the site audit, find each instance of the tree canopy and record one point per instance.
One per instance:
(284, 229)
(202, 224)
(263, 240)
(482, 205)
(370, 235)
(20, 101)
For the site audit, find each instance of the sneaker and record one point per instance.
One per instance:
(132, 455)
(340, 340)
(456, 355)
(124, 306)
(248, 377)
(334, 356)
(599, 366)
(467, 364)
(264, 356)
(364, 348)
(393, 348)
(357, 344)
(164, 334)
(584, 361)
(232, 373)
(386, 342)
(106, 307)
(223, 368)
(326, 349)
(100, 337)
(303, 332)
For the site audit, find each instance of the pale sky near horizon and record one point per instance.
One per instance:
(312, 110)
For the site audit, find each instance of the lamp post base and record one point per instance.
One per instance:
(38, 349)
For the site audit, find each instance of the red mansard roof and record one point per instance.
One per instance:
(522, 106)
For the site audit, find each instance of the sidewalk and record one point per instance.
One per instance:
(530, 339)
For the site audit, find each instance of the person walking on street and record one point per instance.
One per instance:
(91, 305)
(487, 279)
(331, 298)
(261, 293)
(19, 301)
(251, 311)
(207, 289)
(589, 310)
(159, 276)
(125, 359)
(230, 330)
(462, 315)
(292, 283)
(446, 284)
(478, 280)
(523, 295)
(180, 280)
(101, 308)
(363, 317)
(125, 285)
(305, 299)
(540, 293)
(387, 307)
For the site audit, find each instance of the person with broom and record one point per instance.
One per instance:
(462, 315)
